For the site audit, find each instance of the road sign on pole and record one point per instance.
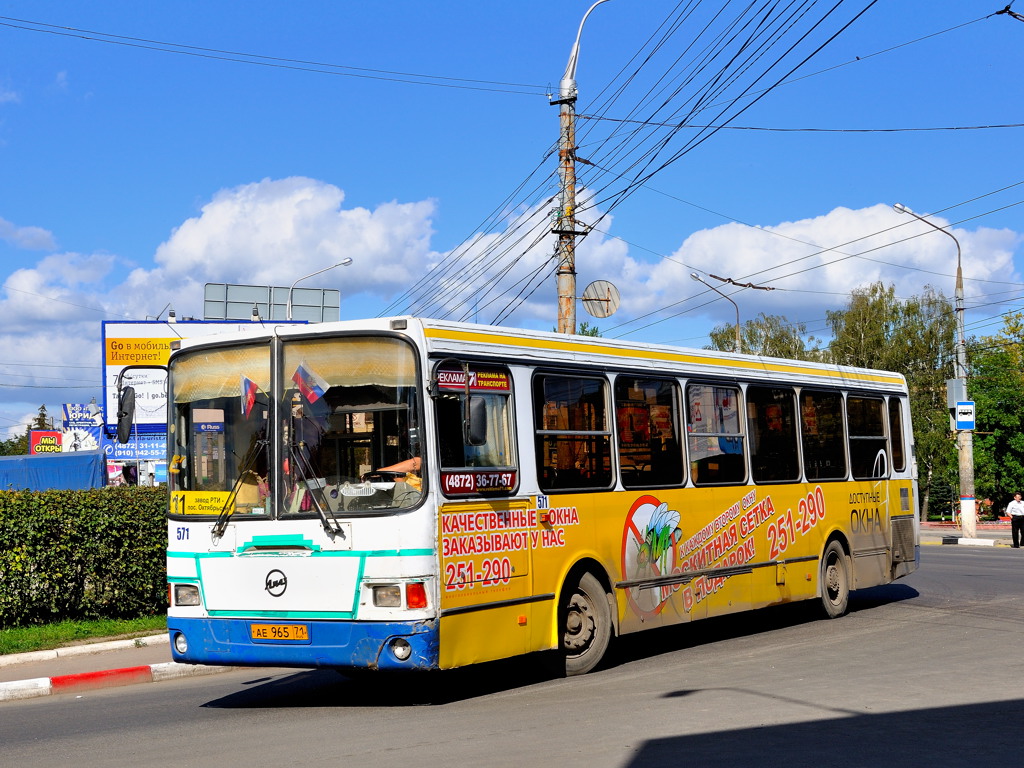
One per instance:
(965, 415)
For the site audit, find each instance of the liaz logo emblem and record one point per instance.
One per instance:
(276, 583)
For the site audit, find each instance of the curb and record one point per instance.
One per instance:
(972, 542)
(84, 681)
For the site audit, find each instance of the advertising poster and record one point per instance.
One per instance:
(148, 343)
(41, 441)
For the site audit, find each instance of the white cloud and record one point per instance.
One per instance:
(275, 231)
(29, 238)
(58, 288)
(815, 263)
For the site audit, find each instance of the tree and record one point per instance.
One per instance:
(914, 337)
(768, 335)
(996, 384)
(584, 329)
(42, 420)
(15, 446)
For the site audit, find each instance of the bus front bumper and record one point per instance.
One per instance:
(307, 644)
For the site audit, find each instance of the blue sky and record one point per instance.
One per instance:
(269, 140)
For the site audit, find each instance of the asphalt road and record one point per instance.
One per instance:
(926, 671)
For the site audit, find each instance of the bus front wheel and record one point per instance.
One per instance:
(586, 625)
(835, 581)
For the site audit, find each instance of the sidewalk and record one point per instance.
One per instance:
(988, 534)
(92, 665)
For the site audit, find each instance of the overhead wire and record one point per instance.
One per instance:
(764, 24)
(704, 134)
(591, 163)
(718, 80)
(278, 62)
(593, 168)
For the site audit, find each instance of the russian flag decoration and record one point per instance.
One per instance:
(249, 389)
(310, 385)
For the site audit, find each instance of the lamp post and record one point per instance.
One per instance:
(964, 437)
(565, 225)
(343, 263)
(739, 344)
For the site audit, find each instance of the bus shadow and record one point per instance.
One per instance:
(666, 640)
(329, 688)
(986, 734)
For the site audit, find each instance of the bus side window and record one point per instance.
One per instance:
(647, 418)
(494, 451)
(899, 461)
(824, 435)
(771, 424)
(715, 438)
(869, 458)
(573, 439)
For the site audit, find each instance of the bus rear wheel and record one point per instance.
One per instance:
(835, 581)
(586, 625)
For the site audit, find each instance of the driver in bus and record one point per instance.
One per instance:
(404, 469)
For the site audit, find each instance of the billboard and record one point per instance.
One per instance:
(129, 343)
(223, 301)
(42, 441)
(140, 447)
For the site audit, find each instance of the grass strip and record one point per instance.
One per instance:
(47, 636)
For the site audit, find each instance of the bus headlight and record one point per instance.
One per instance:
(186, 594)
(387, 596)
(180, 643)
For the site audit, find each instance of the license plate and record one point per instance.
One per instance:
(279, 632)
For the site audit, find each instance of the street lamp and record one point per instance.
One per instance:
(739, 345)
(965, 437)
(343, 263)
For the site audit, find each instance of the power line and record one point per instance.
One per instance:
(277, 62)
(47, 386)
(805, 130)
(728, 53)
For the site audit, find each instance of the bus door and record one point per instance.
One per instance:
(718, 543)
(485, 533)
(869, 503)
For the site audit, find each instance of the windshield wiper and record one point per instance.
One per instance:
(305, 470)
(229, 503)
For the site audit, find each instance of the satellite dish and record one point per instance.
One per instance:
(601, 299)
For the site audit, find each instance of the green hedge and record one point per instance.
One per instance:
(96, 554)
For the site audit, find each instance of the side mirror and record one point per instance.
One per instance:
(475, 424)
(125, 413)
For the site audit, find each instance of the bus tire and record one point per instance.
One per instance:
(835, 581)
(585, 625)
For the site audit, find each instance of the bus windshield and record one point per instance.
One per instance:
(344, 412)
(350, 425)
(218, 427)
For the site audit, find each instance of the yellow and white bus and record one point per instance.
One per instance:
(404, 493)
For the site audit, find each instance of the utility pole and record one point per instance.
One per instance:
(964, 437)
(565, 219)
